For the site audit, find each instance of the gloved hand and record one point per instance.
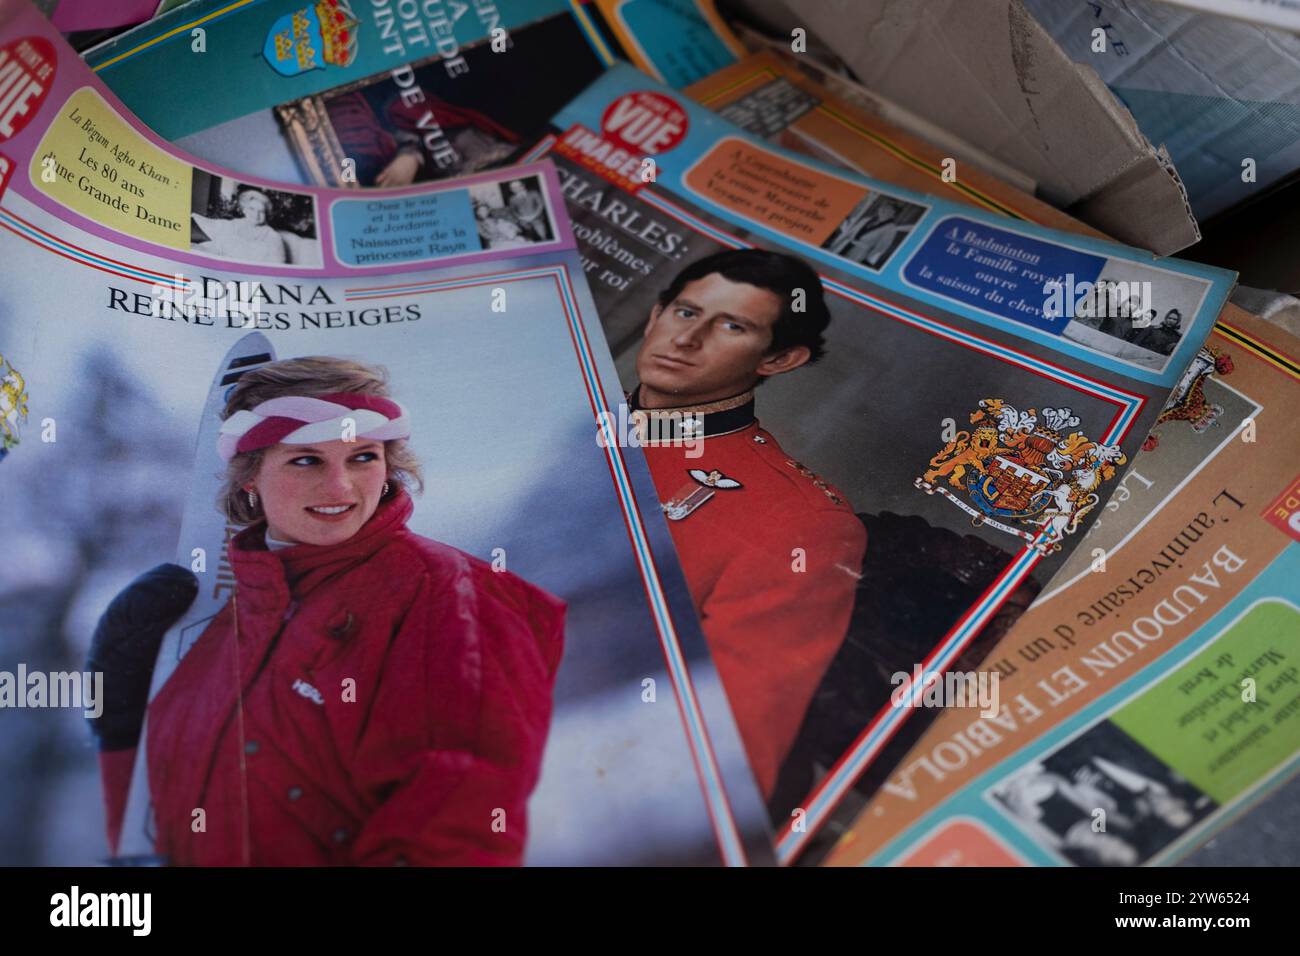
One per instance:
(125, 646)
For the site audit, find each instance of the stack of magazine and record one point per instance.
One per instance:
(545, 433)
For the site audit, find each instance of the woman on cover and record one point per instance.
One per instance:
(368, 695)
(250, 237)
(497, 229)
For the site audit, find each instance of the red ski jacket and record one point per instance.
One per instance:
(385, 700)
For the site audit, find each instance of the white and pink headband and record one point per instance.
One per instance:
(299, 420)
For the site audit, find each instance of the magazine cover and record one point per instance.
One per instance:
(934, 435)
(315, 512)
(1150, 696)
(769, 96)
(408, 92)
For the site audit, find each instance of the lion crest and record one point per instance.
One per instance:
(1031, 468)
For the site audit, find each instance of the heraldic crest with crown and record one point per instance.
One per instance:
(316, 36)
(1024, 468)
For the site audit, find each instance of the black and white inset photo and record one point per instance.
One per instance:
(1136, 313)
(512, 213)
(1103, 800)
(246, 223)
(875, 227)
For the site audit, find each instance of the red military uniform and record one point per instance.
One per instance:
(773, 616)
(452, 666)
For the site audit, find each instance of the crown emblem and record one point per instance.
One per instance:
(338, 31)
(313, 37)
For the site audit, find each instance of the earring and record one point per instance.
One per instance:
(384, 493)
(252, 500)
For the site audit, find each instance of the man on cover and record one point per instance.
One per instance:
(1118, 323)
(1142, 321)
(529, 210)
(1162, 338)
(771, 552)
(873, 241)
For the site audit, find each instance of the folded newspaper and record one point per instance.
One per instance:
(249, 385)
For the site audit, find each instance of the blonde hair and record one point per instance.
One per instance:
(253, 194)
(311, 377)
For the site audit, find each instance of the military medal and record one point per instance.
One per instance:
(692, 496)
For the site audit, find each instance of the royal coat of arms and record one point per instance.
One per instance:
(319, 35)
(1024, 472)
(13, 406)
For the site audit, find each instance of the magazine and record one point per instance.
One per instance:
(1151, 694)
(407, 92)
(935, 434)
(1205, 416)
(244, 387)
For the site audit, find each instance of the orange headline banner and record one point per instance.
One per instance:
(791, 198)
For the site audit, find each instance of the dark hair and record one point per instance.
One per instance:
(779, 274)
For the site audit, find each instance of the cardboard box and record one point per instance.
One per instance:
(987, 71)
(1216, 93)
